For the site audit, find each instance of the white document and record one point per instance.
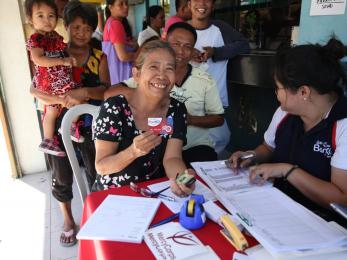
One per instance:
(280, 224)
(175, 206)
(120, 218)
(260, 253)
(239, 256)
(172, 241)
(222, 179)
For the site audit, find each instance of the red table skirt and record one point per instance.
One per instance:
(95, 249)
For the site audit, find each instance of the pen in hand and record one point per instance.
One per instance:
(228, 163)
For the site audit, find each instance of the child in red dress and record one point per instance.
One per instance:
(53, 73)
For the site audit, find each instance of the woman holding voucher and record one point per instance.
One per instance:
(127, 148)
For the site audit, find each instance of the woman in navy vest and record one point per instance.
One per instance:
(305, 146)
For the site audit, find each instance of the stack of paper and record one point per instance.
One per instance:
(280, 224)
(120, 218)
(172, 241)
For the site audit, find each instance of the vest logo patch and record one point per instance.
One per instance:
(324, 148)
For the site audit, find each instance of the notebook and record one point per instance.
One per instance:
(120, 218)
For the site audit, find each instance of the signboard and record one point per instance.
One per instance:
(327, 7)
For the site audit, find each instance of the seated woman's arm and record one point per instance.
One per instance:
(320, 191)
(174, 164)
(108, 160)
(118, 89)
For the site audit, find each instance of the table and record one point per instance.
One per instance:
(95, 249)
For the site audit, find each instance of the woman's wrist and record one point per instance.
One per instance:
(290, 170)
(86, 94)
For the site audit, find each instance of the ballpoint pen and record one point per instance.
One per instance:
(242, 158)
(165, 197)
(165, 220)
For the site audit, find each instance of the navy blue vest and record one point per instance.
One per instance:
(311, 151)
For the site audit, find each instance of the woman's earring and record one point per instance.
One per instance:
(305, 99)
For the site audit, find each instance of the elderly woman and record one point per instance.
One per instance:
(127, 150)
(306, 142)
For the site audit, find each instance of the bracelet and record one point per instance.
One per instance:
(290, 171)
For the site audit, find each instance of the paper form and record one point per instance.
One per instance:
(280, 224)
(225, 180)
(120, 218)
(175, 206)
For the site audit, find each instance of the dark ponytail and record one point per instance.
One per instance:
(336, 48)
(107, 11)
(153, 11)
(313, 65)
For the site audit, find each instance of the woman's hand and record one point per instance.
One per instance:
(182, 190)
(69, 62)
(144, 143)
(237, 162)
(133, 44)
(260, 173)
(76, 97)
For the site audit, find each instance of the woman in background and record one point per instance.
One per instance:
(117, 43)
(154, 22)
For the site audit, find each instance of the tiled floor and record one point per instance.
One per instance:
(30, 219)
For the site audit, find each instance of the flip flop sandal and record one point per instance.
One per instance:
(71, 234)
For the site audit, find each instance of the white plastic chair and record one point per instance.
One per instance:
(70, 115)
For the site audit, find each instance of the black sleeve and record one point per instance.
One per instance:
(234, 42)
(109, 123)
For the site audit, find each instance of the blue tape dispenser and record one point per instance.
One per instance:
(192, 215)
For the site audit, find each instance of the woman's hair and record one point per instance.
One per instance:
(127, 27)
(86, 12)
(312, 65)
(184, 26)
(124, 21)
(149, 47)
(180, 3)
(28, 6)
(153, 11)
(107, 11)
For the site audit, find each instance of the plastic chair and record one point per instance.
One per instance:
(70, 115)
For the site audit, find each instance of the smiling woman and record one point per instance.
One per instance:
(127, 150)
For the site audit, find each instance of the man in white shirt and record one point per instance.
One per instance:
(217, 42)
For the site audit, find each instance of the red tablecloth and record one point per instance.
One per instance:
(94, 249)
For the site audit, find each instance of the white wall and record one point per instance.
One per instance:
(16, 79)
